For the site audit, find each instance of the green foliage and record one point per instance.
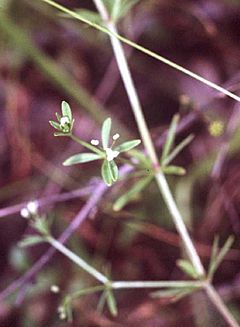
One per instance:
(31, 240)
(106, 130)
(217, 256)
(119, 8)
(174, 294)
(107, 152)
(81, 158)
(124, 199)
(111, 302)
(188, 268)
(65, 123)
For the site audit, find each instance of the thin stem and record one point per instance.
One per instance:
(143, 129)
(155, 284)
(77, 260)
(219, 304)
(86, 145)
(144, 50)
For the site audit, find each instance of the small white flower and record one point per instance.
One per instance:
(94, 142)
(25, 213)
(115, 137)
(111, 154)
(64, 120)
(55, 289)
(32, 207)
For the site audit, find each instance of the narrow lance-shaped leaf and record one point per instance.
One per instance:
(188, 268)
(126, 146)
(106, 129)
(219, 256)
(178, 149)
(66, 110)
(128, 196)
(170, 137)
(55, 125)
(106, 173)
(111, 302)
(81, 158)
(175, 293)
(30, 240)
(113, 168)
(89, 15)
(174, 170)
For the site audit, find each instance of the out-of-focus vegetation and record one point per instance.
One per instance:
(46, 57)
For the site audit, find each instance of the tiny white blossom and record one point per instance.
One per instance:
(25, 213)
(32, 207)
(94, 142)
(64, 120)
(115, 136)
(111, 154)
(55, 289)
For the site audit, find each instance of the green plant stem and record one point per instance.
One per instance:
(86, 145)
(77, 260)
(219, 304)
(143, 129)
(144, 50)
(155, 284)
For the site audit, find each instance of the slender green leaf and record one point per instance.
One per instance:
(128, 196)
(41, 224)
(55, 125)
(106, 173)
(81, 158)
(101, 302)
(111, 302)
(178, 149)
(59, 134)
(174, 170)
(216, 261)
(106, 129)
(89, 15)
(126, 146)
(66, 110)
(113, 169)
(175, 294)
(170, 137)
(215, 249)
(188, 268)
(121, 8)
(58, 116)
(31, 240)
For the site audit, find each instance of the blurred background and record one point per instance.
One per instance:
(46, 58)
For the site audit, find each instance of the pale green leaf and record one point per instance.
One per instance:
(170, 137)
(111, 302)
(58, 116)
(31, 240)
(106, 173)
(90, 15)
(66, 110)
(55, 125)
(128, 196)
(175, 293)
(126, 146)
(106, 129)
(113, 169)
(188, 268)
(174, 170)
(178, 149)
(81, 158)
(217, 258)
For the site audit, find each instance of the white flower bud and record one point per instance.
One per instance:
(94, 142)
(55, 289)
(25, 213)
(116, 136)
(32, 207)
